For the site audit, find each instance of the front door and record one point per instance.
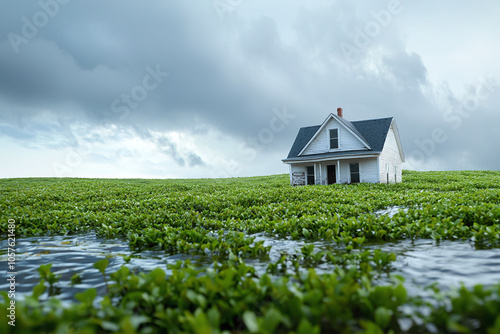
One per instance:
(332, 177)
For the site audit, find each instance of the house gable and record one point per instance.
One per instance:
(349, 138)
(374, 131)
(394, 128)
(391, 157)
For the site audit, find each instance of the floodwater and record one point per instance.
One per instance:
(70, 255)
(420, 262)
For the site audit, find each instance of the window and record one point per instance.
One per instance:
(310, 174)
(354, 172)
(334, 138)
(395, 174)
(387, 170)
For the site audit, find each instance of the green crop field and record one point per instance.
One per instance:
(216, 221)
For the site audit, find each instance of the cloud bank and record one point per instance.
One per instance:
(174, 89)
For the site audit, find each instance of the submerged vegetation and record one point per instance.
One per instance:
(216, 218)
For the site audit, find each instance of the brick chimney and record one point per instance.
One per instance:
(340, 112)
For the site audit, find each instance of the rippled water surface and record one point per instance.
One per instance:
(421, 262)
(77, 254)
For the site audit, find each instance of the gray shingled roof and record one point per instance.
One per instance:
(352, 128)
(374, 131)
(303, 137)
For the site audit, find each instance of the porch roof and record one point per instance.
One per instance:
(334, 156)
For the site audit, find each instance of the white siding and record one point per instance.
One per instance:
(344, 172)
(321, 172)
(368, 170)
(322, 178)
(296, 172)
(372, 169)
(321, 144)
(390, 155)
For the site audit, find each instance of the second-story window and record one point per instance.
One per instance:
(334, 138)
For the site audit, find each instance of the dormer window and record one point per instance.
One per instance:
(334, 138)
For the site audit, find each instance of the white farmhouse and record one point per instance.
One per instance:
(340, 151)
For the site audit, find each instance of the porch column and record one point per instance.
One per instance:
(320, 174)
(338, 171)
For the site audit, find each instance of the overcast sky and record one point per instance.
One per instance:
(169, 89)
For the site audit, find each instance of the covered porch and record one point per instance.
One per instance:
(347, 170)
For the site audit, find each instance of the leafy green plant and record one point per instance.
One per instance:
(101, 265)
(76, 279)
(46, 275)
(231, 297)
(217, 220)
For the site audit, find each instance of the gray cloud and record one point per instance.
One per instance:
(165, 146)
(224, 75)
(195, 160)
(169, 148)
